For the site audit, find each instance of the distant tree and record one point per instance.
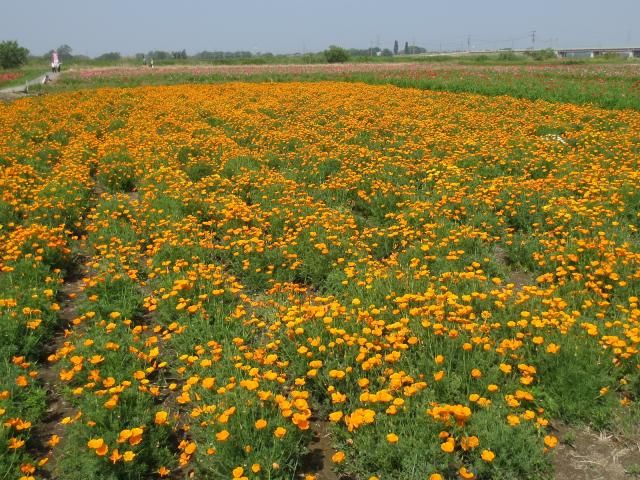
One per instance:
(12, 55)
(395, 47)
(181, 55)
(110, 56)
(140, 56)
(387, 53)
(159, 55)
(65, 53)
(406, 48)
(413, 49)
(336, 54)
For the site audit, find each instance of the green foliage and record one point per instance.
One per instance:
(540, 55)
(199, 170)
(118, 172)
(335, 54)
(12, 55)
(507, 56)
(110, 56)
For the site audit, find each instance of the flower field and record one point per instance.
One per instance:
(210, 281)
(605, 85)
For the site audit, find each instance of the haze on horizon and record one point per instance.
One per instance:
(287, 26)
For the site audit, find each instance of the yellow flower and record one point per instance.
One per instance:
(128, 456)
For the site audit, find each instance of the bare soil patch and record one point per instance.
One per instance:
(584, 454)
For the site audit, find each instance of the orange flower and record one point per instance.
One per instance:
(448, 446)
(53, 441)
(161, 417)
(136, 436)
(115, 456)
(335, 416)
(550, 441)
(487, 456)
(222, 436)
(466, 474)
(280, 432)
(338, 457)
(99, 446)
(15, 443)
(208, 382)
(238, 472)
(469, 443)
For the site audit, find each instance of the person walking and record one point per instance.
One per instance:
(55, 62)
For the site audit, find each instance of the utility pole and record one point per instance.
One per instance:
(533, 40)
(468, 43)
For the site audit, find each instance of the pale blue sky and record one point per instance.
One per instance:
(284, 26)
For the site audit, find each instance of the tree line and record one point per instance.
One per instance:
(12, 55)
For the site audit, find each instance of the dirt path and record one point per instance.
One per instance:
(17, 89)
(587, 455)
(318, 461)
(50, 431)
(57, 406)
(9, 94)
(519, 278)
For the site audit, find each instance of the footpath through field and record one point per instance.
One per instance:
(35, 81)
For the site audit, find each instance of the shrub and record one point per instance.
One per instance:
(336, 54)
(539, 55)
(508, 56)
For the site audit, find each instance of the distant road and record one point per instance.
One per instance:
(35, 81)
